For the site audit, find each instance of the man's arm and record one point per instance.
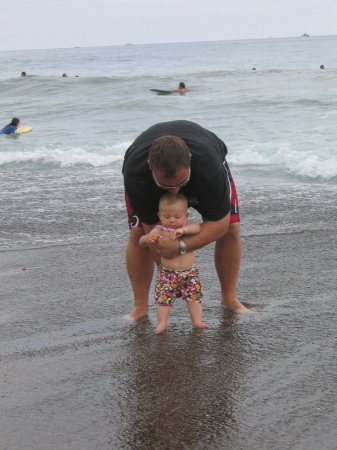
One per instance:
(210, 231)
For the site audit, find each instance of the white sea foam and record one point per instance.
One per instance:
(249, 156)
(313, 168)
(302, 164)
(67, 156)
(297, 163)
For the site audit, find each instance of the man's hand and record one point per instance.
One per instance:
(168, 248)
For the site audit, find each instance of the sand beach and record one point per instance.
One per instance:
(75, 375)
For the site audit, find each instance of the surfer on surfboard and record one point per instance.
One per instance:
(11, 127)
(181, 88)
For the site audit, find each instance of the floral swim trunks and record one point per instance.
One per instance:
(171, 284)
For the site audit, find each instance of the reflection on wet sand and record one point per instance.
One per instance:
(182, 386)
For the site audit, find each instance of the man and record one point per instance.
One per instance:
(181, 156)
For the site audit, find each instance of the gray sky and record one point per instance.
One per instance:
(70, 23)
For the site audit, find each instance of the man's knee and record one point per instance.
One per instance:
(233, 232)
(234, 228)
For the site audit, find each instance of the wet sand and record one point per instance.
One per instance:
(74, 375)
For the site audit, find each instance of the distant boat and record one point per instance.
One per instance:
(305, 35)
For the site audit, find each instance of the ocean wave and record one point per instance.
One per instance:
(299, 164)
(312, 102)
(123, 76)
(262, 159)
(311, 167)
(66, 156)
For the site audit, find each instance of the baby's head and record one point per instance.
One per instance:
(173, 210)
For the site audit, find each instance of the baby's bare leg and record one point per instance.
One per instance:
(195, 310)
(162, 316)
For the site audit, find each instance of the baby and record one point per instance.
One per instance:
(178, 276)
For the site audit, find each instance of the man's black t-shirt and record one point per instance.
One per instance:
(207, 191)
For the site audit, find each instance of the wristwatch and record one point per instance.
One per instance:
(182, 247)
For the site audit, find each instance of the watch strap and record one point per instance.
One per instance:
(182, 246)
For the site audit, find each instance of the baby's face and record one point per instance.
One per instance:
(173, 215)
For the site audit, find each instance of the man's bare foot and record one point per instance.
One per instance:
(200, 325)
(136, 313)
(161, 328)
(237, 306)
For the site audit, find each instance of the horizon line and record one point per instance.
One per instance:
(128, 44)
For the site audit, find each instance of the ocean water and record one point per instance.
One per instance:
(278, 122)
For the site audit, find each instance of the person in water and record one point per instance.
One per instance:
(11, 127)
(23, 74)
(176, 276)
(181, 87)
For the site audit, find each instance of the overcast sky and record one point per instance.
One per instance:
(37, 24)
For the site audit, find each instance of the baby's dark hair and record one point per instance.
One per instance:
(169, 198)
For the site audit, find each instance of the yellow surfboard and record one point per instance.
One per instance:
(23, 129)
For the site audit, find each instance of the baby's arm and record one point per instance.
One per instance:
(189, 228)
(150, 238)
